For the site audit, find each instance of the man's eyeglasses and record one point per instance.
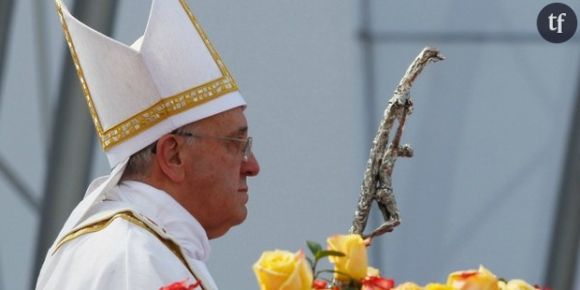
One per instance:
(246, 143)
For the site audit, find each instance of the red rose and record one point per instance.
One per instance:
(181, 286)
(377, 283)
(319, 284)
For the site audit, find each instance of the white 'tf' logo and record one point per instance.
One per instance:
(558, 19)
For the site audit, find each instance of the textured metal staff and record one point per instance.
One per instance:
(377, 182)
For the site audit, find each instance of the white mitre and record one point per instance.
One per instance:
(169, 77)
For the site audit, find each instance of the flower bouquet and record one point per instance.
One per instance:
(283, 270)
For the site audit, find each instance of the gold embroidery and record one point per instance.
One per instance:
(79, 69)
(163, 109)
(130, 217)
(215, 55)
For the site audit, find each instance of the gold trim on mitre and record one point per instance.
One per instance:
(163, 109)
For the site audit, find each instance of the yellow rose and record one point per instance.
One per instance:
(437, 286)
(473, 280)
(373, 272)
(408, 286)
(355, 262)
(516, 284)
(283, 270)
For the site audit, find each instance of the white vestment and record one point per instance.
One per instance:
(131, 252)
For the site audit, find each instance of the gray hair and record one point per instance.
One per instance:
(139, 165)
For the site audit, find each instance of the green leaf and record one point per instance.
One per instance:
(323, 254)
(314, 247)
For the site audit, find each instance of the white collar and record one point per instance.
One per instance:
(168, 214)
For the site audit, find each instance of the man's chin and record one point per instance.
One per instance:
(242, 216)
(235, 222)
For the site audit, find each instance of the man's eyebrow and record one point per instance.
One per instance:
(240, 131)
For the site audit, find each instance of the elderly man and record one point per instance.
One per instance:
(171, 121)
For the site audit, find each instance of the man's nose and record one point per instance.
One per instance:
(251, 166)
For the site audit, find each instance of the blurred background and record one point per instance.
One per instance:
(494, 180)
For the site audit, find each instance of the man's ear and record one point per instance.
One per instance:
(169, 158)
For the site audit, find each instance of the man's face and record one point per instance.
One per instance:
(216, 191)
